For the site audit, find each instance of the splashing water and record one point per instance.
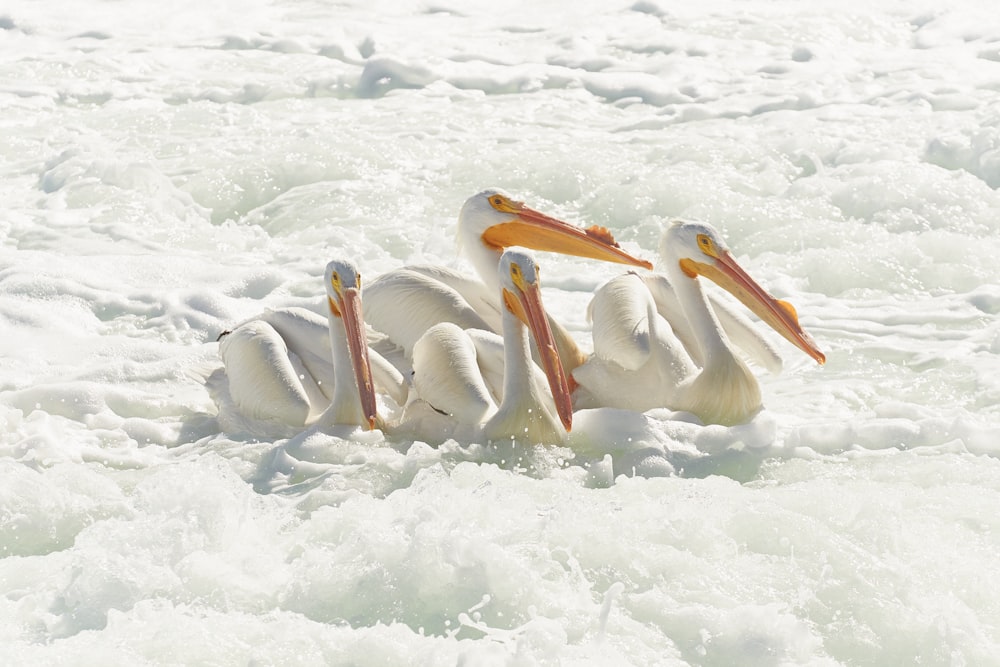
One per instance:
(170, 169)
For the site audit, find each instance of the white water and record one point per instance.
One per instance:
(168, 169)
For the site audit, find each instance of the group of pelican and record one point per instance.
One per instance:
(484, 357)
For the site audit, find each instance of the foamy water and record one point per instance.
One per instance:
(169, 169)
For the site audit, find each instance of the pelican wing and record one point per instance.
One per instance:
(638, 361)
(476, 294)
(620, 312)
(446, 374)
(307, 335)
(403, 304)
(264, 380)
(604, 383)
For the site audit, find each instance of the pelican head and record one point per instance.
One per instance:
(343, 293)
(522, 296)
(492, 220)
(699, 250)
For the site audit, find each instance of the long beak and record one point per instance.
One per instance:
(532, 229)
(527, 306)
(357, 345)
(779, 315)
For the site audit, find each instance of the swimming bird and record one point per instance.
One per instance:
(452, 373)
(290, 367)
(642, 360)
(405, 303)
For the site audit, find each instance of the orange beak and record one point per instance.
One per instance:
(357, 345)
(528, 308)
(779, 315)
(532, 229)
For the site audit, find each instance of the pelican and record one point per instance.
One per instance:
(278, 370)
(405, 303)
(642, 361)
(450, 375)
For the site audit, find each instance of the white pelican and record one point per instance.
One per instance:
(406, 302)
(448, 372)
(278, 370)
(642, 361)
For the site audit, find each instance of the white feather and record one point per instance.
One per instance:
(488, 385)
(742, 332)
(403, 304)
(664, 341)
(446, 374)
(307, 335)
(264, 380)
(620, 313)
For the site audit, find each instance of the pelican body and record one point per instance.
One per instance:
(643, 361)
(452, 373)
(289, 367)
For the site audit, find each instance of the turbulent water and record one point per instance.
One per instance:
(168, 169)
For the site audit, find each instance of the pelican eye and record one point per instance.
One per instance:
(707, 245)
(502, 204)
(517, 276)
